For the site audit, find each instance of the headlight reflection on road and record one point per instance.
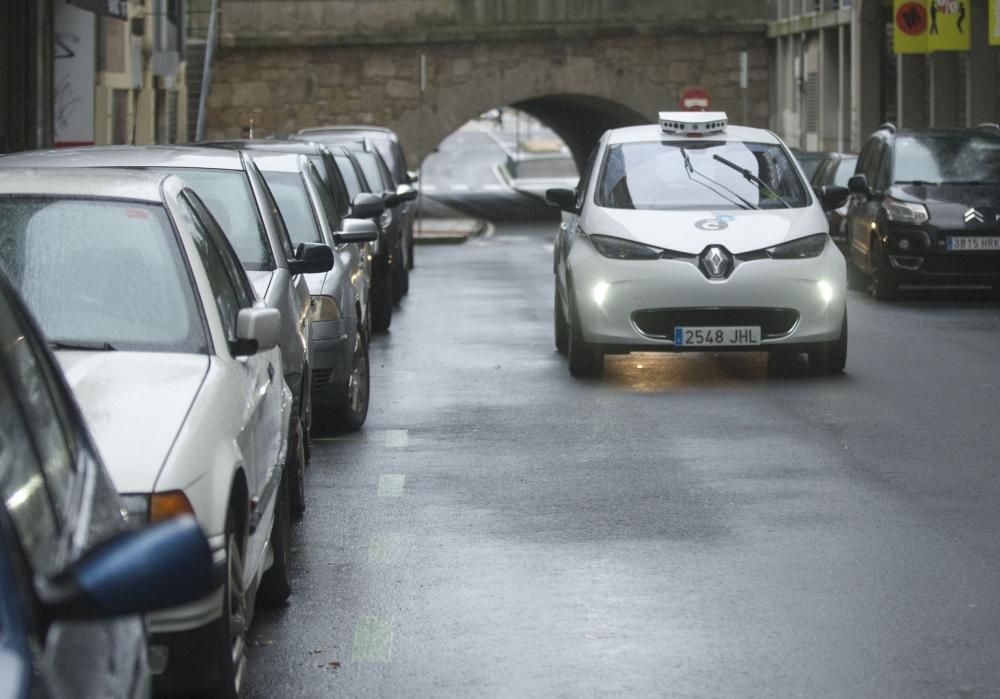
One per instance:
(654, 372)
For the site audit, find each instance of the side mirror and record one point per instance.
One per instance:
(564, 199)
(367, 205)
(413, 176)
(858, 185)
(357, 230)
(832, 196)
(406, 193)
(391, 200)
(140, 571)
(257, 330)
(311, 258)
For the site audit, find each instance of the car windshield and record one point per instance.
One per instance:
(101, 274)
(947, 158)
(230, 200)
(290, 192)
(686, 175)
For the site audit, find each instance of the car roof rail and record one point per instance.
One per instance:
(887, 126)
(990, 127)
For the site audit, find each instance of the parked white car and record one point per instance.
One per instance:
(174, 362)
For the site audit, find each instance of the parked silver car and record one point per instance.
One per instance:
(235, 193)
(340, 377)
(174, 362)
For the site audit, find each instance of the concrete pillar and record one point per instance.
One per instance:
(945, 89)
(867, 36)
(911, 91)
(981, 77)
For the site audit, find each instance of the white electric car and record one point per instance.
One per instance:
(693, 235)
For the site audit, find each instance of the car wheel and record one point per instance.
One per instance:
(306, 417)
(295, 468)
(561, 328)
(381, 304)
(276, 583)
(351, 403)
(883, 284)
(855, 279)
(585, 360)
(233, 630)
(409, 259)
(830, 357)
(400, 280)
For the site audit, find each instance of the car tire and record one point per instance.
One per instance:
(351, 395)
(884, 285)
(585, 360)
(381, 303)
(400, 280)
(234, 626)
(830, 358)
(276, 583)
(855, 279)
(295, 469)
(561, 327)
(306, 417)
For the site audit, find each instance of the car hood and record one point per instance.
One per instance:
(691, 232)
(135, 404)
(260, 280)
(947, 204)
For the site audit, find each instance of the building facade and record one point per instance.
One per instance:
(836, 75)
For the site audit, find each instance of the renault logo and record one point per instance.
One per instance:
(716, 262)
(973, 215)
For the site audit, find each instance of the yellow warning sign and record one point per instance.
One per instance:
(994, 22)
(924, 26)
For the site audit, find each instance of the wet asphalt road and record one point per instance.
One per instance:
(691, 525)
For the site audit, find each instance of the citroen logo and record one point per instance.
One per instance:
(973, 215)
(716, 262)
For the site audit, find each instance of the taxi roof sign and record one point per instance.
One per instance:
(693, 123)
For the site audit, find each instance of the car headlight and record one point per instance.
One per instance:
(324, 308)
(621, 249)
(810, 246)
(143, 509)
(905, 212)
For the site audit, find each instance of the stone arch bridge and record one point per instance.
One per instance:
(579, 66)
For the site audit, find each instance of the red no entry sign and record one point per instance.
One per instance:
(696, 100)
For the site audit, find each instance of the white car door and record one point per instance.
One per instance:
(264, 419)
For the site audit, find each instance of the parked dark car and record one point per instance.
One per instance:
(808, 160)
(925, 208)
(75, 575)
(836, 169)
(389, 147)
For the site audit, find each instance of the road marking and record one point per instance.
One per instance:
(383, 547)
(390, 485)
(428, 188)
(493, 187)
(460, 188)
(396, 439)
(550, 247)
(372, 640)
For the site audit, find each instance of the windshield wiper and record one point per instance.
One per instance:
(925, 183)
(691, 171)
(82, 345)
(750, 177)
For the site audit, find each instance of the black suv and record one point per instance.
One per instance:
(925, 209)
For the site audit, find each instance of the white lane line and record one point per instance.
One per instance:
(460, 187)
(383, 547)
(372, 640)
(396, 439)
(550, 247)
(427, 188)
(492, 187)
(391, 485)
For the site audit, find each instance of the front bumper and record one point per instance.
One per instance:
(920, 256)
(764, 291)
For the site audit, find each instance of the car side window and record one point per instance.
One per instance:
(230, 296)
(584, 183)
(325, 199)
(883, 176)
(865, 161)
(24, 486)
(338, 188)
(272, 206)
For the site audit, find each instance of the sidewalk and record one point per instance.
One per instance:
(443, 231)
